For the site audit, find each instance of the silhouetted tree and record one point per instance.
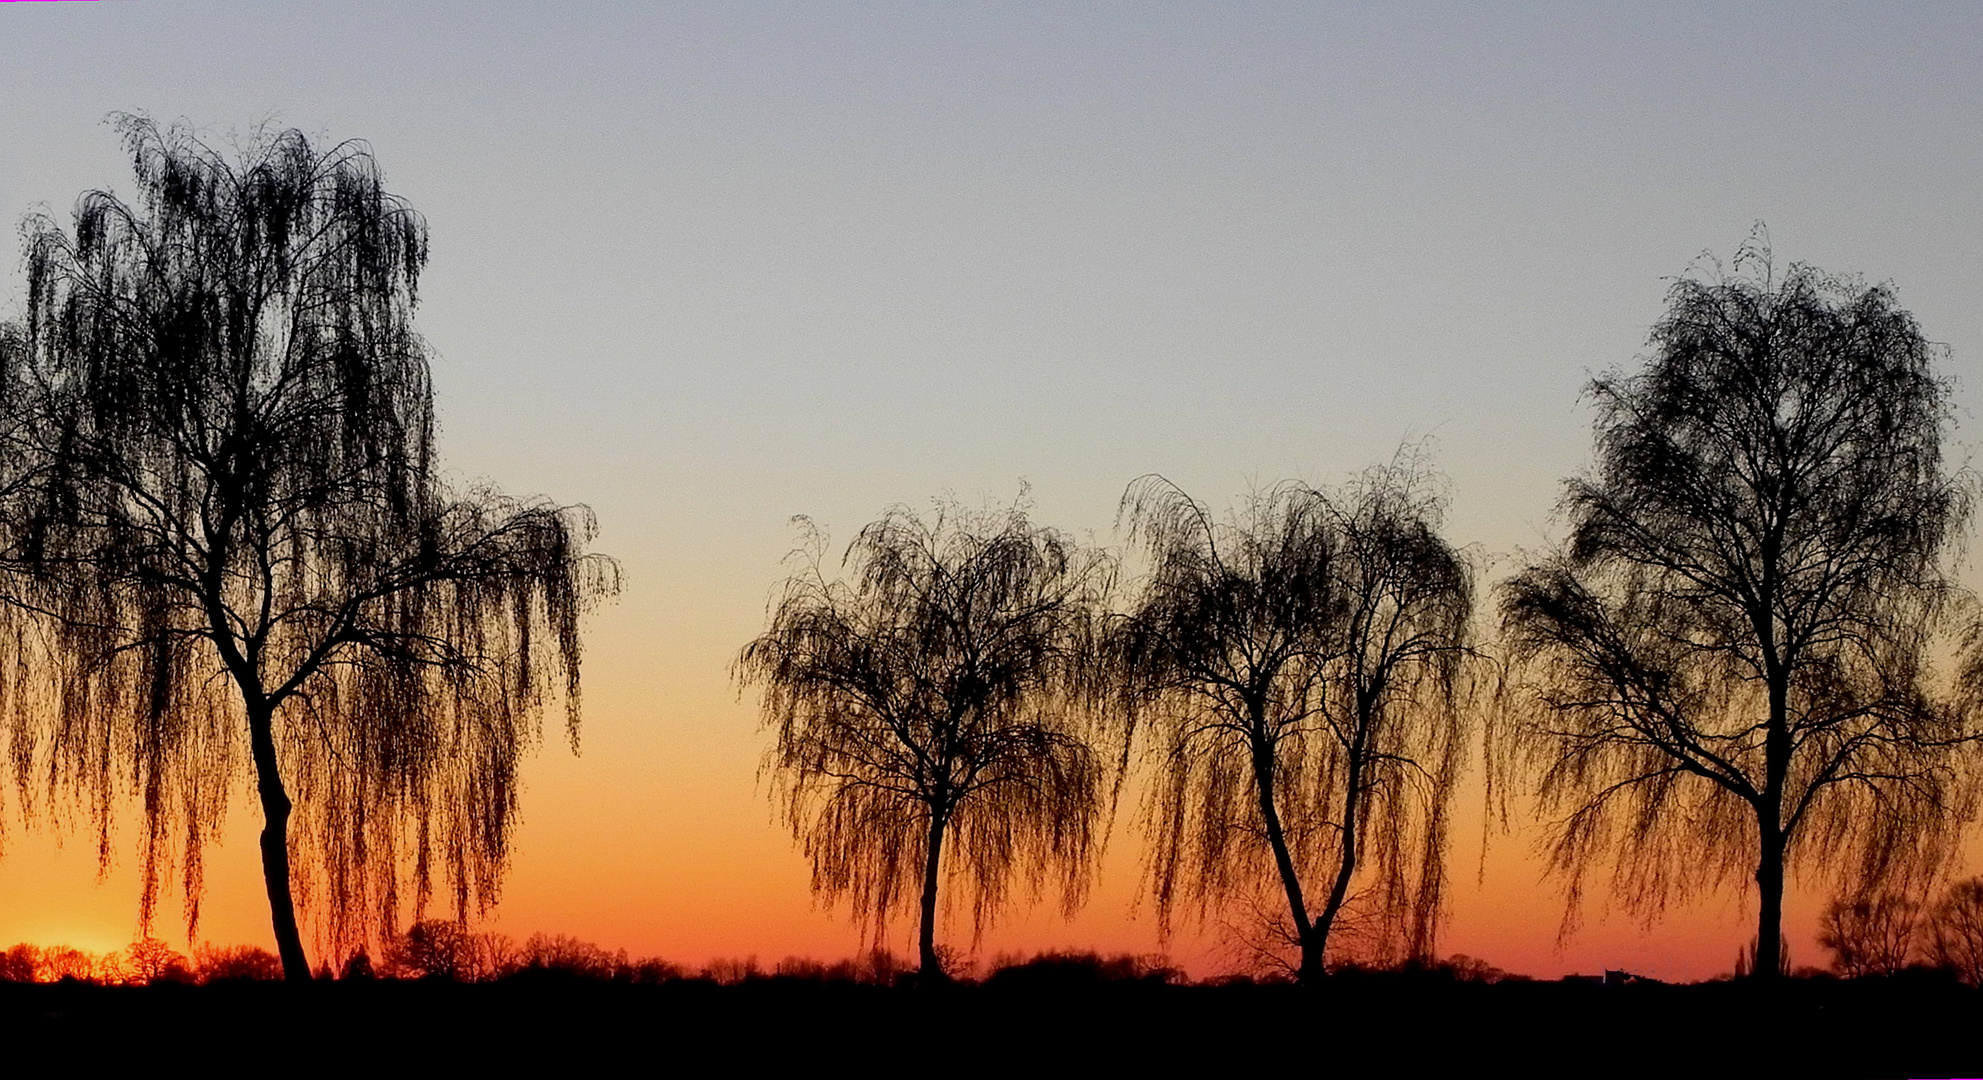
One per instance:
(730, 972)
(434, 949)
(220, 497)
(567, 955)
(236, 963)
(1299, 666)
(151, 960)
(1470, 969)
(925, 716)
(1955, 931)
(20, 963)
(1870, 935)
(59, 962)
(1726, 660)
(652, 971)
(497, 956)
(879, 967)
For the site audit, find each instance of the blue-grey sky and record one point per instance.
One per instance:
(734, 261)
(705, 266)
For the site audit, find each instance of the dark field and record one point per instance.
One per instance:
(1052, 1024)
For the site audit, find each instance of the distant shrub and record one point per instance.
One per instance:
(433, 949)
(653, 970)
(878, 967)
(731, 972)
(884, 968)
(563, 954)
(236, 963)
(1076, 968)
(1463, 968)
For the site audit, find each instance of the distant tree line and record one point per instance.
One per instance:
(1878, 936)
(429, 949)
(441, 950)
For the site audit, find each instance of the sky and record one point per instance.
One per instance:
(703, 267)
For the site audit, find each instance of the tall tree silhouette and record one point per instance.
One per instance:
(1299, 666)
(222, 516)
(927, 715)
(1727, 657)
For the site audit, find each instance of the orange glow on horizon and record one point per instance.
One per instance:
(688, 863)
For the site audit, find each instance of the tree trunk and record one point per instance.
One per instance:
(1768, 963)
(1777, 749)
(1346, 869)
(1310, 971)
(931, 970)
(275, 844)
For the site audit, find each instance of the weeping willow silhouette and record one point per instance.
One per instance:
(1299, 669)
(1726, 667)
(225, 542)
(928, 713)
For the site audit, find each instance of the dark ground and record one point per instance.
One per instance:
(1355, 1026)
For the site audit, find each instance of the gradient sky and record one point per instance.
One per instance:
(706, 266)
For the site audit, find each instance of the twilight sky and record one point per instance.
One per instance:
(706, 266)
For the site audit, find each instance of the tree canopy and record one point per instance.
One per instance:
(226, 540)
